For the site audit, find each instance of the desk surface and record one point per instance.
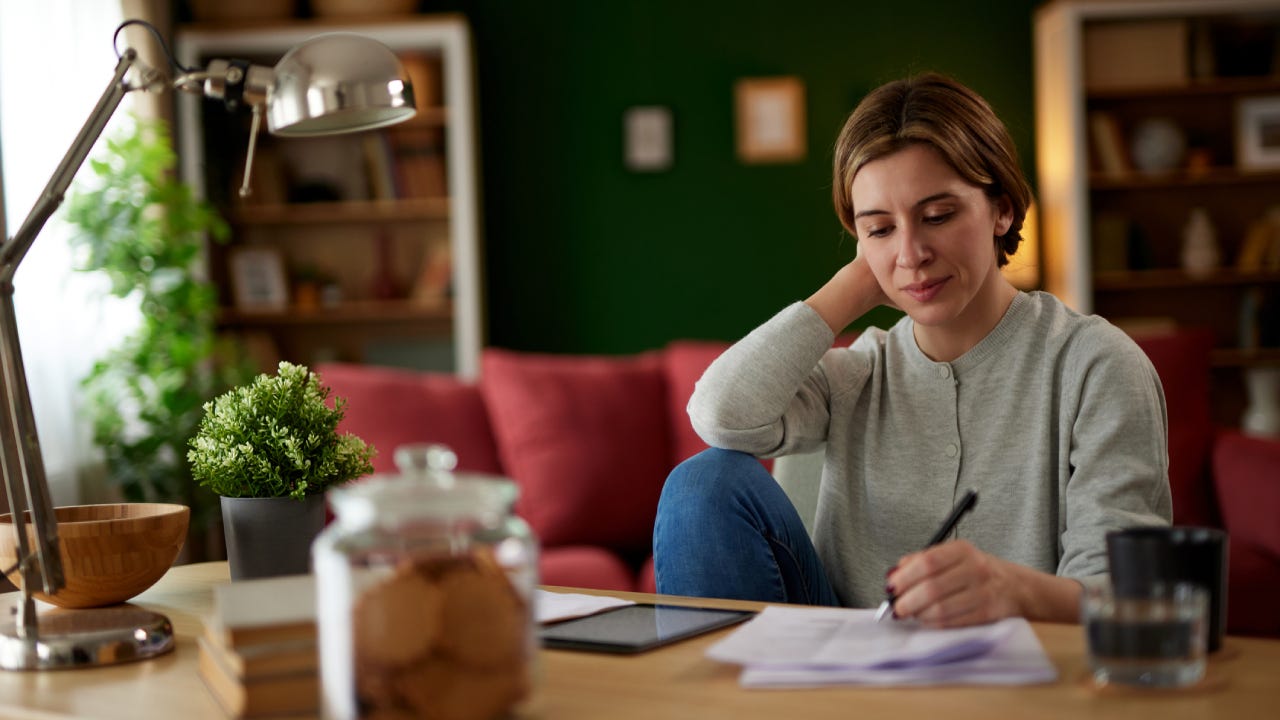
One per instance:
(1243, 681)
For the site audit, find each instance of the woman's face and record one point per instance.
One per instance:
(929, 238)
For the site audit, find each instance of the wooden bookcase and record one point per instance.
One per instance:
(1113, 219)
(362, 247)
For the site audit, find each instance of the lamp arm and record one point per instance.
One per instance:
(26, 485)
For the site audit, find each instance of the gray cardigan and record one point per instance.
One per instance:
(1055, 418)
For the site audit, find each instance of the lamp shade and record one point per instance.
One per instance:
(336, 83)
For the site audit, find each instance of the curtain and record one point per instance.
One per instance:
(56, 58)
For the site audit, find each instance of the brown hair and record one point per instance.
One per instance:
(938, 111)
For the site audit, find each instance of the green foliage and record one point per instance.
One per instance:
(145, 230)
(276, 437)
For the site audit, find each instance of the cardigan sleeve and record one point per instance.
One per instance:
(767, 395)
(1118, 448)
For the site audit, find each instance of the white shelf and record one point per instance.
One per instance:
(447, 36)
(1062, 144)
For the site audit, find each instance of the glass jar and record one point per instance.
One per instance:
(425, 595)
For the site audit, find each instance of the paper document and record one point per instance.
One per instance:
(787, 647)
(550, 606)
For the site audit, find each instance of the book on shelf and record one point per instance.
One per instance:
(1110, 249)
(434, 284)
(1260, 251)
(419, 161)
(1109, 149)
(379, 165)
(424, 74)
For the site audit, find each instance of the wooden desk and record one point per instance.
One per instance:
(675, 682)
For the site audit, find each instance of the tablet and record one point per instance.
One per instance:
(636, 628)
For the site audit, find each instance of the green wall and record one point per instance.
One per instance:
(585, 256)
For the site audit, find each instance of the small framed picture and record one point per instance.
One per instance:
(258, 279)
(647, 138)
(1258, 133)
(770, 119)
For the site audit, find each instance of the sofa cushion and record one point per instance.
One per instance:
(684, 362)
(389, 407)
(1181, 360)
(1246, 474)
(582, 566)
(585, 437)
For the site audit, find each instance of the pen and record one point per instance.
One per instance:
(965, 505)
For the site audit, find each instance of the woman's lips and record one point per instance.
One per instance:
(925, 291)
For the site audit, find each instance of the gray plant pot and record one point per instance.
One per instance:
(267, 537)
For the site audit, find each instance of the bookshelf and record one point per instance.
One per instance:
(376, 234)
(1113, 75)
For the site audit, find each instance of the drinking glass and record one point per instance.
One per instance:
(1155, 638)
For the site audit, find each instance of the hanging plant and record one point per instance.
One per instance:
(145, 230)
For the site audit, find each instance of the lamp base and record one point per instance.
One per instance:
(87, 637)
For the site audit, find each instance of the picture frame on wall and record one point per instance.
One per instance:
(770, 119)
(1258, 133)
(258, 280)
(647, 132)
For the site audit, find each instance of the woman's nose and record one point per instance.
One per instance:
(912, 249)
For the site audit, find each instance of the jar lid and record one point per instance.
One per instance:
(395, 498)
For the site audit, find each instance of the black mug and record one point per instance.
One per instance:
(1140, 557)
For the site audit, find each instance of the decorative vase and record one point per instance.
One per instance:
(1199, 244)
(267, 537)
(1159, 145)
(1262, 415)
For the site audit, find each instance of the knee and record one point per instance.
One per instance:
(708, 478)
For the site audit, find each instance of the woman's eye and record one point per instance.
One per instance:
(937, 219)
(879, 231)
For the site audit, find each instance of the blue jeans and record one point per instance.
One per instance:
(726, 529)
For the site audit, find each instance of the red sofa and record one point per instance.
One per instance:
(591, 439)
(588, 439)
(1222, 478)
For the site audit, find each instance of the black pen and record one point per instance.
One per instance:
(965, 505)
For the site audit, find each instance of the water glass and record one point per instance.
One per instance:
(1157, 638)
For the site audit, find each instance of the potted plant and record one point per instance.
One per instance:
(145, 230)
(270, 449)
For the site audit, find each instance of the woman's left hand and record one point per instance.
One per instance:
(954, 584)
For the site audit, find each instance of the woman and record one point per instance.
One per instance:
(1056, 419)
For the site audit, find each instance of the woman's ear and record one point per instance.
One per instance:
(1004, 215)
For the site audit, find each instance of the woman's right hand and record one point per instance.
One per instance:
(848, 295)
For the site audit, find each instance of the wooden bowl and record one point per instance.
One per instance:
(110, 553)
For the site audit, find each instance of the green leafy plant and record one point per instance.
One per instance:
(136, 223)
(276, 437)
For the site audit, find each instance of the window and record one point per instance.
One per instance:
(56, 59)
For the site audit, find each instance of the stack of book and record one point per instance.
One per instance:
(258, 652)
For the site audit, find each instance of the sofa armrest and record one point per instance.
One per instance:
(1252, 585)
(1246, 476)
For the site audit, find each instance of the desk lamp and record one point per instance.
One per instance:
(330, 84)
